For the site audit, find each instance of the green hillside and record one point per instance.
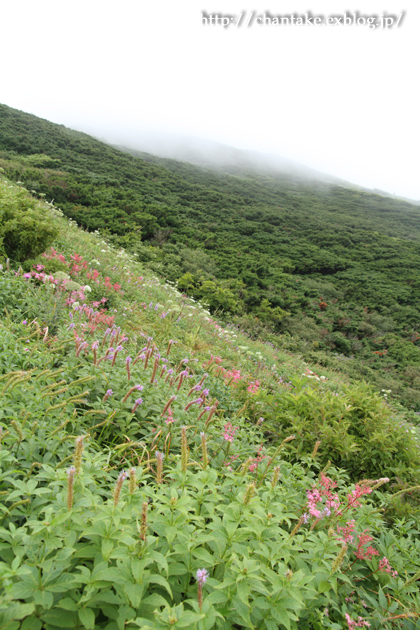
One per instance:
(329, 272)
(161, 469)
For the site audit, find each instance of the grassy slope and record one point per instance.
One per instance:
(55, 387)
(293, 242)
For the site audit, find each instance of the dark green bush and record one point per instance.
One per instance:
(25, 227)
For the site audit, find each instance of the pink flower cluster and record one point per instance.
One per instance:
(253, 387)
(169, 419)
(254, 464)
(346, 532)
(385, 567)
(75, 267)
(359, 491)
(369, 552)
(316, 498)
(229, 432)
(360, 623)
(233, 375)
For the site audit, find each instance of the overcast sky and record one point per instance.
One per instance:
(341, 99)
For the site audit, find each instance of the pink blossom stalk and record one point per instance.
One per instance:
(201, 576)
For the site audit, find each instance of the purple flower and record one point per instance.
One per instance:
(139, 388)
(202, 575)
(109, 392)
(206, 392)
(24, 322)
(128, 360)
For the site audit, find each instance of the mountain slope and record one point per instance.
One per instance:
(333, 270)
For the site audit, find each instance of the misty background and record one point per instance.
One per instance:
(336, 100)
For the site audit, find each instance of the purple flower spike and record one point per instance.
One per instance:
(202, 575)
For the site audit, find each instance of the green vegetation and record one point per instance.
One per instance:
(333, 271)
(160, 469)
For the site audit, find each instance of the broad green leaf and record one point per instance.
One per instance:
(87, 617)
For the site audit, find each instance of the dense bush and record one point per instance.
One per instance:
(25, 226)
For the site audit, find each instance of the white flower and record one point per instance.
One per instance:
(75, 305)
(87, 288)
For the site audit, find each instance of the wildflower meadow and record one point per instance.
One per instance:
(161, 469)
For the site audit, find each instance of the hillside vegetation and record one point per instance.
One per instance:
(161, 469)
(333, 271)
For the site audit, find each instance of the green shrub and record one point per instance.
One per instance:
(25, 227)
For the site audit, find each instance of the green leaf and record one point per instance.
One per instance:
(67, 604)
(87, 617)
(160, 560)
(176, 568)
(57, 618)
(155, 600)
(383, 602)
(106, 548)
(189, 619)
(44, 599)
(134, 593)
(158, 579)
(31, 623)
(217, 597)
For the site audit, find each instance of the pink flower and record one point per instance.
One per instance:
(253, 387)
(346, 532)
(385, 567)
(169, 417)
(365, 554)
(316, 498)
(202, 575)
(229, 432)
(359, 491)
(360, 623)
